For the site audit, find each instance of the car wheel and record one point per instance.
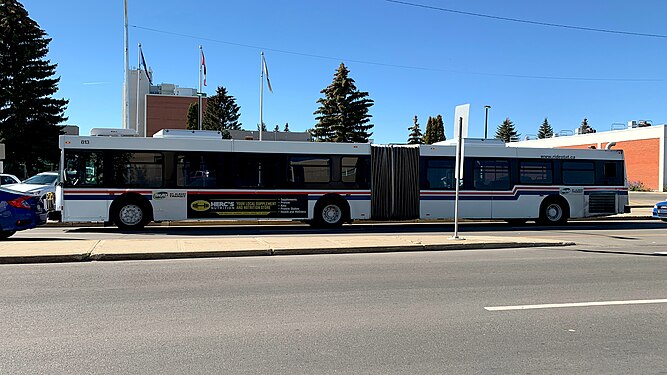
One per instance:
(130, 214)
(4, 234)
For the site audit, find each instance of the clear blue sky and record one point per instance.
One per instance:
(423, 62)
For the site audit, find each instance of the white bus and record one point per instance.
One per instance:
(192, 175)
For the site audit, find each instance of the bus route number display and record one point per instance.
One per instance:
(226, 206)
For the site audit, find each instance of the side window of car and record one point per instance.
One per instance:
(6, 180)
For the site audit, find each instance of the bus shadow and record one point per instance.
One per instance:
(373, 228)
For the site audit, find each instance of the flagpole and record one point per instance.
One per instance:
(138, 83)
(201, 53)
(261, 94)
(126, 119)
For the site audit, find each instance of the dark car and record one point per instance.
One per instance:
(660, 211)
(19, 211)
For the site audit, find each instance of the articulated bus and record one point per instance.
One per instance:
(196, 175)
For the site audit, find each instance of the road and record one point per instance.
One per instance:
(353, 313)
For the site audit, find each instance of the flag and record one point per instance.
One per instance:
(266, 71)
(203, 65)
(143, 62)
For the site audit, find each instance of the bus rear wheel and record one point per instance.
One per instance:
(130, 214)
(329, 214)
(553, 212)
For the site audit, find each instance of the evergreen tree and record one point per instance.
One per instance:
(545, 131)
(222, 112)
(506, 131)
(343, 112)
(276, 129)
(584, 128)
(416, 136)
(439, 129)
(263, 127)
(29, 115)
(192, 119)
(286, 127)
(429, 133)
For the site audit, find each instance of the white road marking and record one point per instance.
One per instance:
(575, 304)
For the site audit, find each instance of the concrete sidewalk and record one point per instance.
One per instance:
(123, 249)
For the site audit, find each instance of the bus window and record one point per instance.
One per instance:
(83, 168)
(309, 170)
(578, 173)
(196, 170)
(258, 171)
(440, 174)
(137, 169)
(491, 174)
(536, 172)
(354, 170)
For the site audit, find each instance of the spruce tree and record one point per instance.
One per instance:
(222, 112)
(286, 127)
(416, 136)
(429, 133)
(506, 131)
(192, 119)
(584, 128)
(29, 115)
(277, 128)
(545, 131)
(343, 112)
(439, 127)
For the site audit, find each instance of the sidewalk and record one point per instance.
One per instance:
(123, 249)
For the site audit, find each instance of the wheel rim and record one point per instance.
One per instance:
(131, 214)
(331, 214)
(554, 212)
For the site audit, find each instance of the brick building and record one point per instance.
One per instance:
(168, 111)
(644, 149)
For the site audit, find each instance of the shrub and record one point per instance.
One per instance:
(637, 186)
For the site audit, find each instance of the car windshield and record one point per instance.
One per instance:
(42, 179)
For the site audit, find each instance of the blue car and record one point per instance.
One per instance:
(19, 211)
(660, 211)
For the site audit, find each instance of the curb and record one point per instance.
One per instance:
(271, 252)
(69, 258)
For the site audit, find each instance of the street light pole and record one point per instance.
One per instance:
(486, 120)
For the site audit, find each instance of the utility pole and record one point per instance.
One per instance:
(486, 120)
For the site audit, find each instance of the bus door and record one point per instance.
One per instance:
(492, 185)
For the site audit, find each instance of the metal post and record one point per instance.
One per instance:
(199, 94)
(486, 120)
(457, 175)
(126, 105)
(138, 85)
(261, 94)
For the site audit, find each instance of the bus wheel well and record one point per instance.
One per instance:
(331, 210)
(131, 199)
(554, 210)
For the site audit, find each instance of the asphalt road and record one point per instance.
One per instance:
(352, 314)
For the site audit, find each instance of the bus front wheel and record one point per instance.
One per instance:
(553, 212)
(130, 214)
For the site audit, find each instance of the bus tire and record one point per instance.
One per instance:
(330, 212)
(554, 211)
(131, 213)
